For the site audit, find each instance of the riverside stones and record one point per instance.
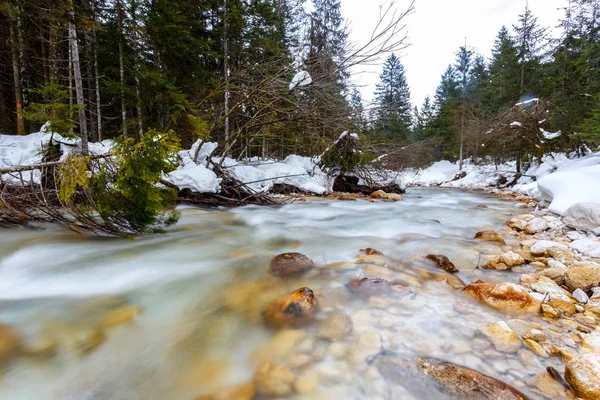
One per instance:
(443, 262)
(583, 374)
(490, 236)
(582, 216)
(502, 337)
(582, 275)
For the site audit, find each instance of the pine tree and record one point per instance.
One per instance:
(392, 97)
(504, 83)
(530, 39)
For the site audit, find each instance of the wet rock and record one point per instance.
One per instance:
(495, 263)
(583, 374)
(535, 335)
(378, 194)
(371, 252)
(443, 262)
(440, 380)
(295, 309)
(550, 312)
(307, 383)
(536, 225)
(582, 275)
(366, 345)
(335, 327)
(561, 254)
(290, 264)
(502, 337)
(273, 379)
(250, 298)
(580, 296)
(282, 344)
(511, 259)
(540, 247)
(582, 216)
(556, 264)
(506, 297)
(548, 386)
(10, 341)
(369, 286)
(522, 327)
(394, 197)
(520, 222)
(490, 236)
(536, 348)
(120, 316)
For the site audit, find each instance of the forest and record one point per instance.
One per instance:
(219, 70)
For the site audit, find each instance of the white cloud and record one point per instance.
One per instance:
(436, 30)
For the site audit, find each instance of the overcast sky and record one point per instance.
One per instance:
(436, 30)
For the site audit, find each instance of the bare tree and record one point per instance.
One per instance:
(78, 81)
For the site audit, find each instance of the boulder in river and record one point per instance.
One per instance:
(490, 236)
(582, 216)
(369, 286)
(502, 337)
(295, 309)
(583, 374)
(443, 262)
(435, 379)
(506, 297)
(274, 379)
(290, 264)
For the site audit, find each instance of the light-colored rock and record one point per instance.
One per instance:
(273, 379)
(582, 216)
(536, 335)
(536, 348)
(582, 275)
(335, 327)
(580, 296)
(536, 225)
(548, 385)
(549, 312)
(556, 274)
(591, 343)
(519, 222)
(489, 235)
(587, 247)
(552, 263)
(543, 285)
(337, 350)
(540, 247)
(511, 258)
(562, 254)
(522, 327)
(367, 344)
(502, 337)
(583, 374)
(307, 383)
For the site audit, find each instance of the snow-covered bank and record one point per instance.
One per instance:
(560, 179)
(303, 173)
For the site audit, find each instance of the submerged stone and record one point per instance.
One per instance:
(295, 309)
(490, 236)
(290, 264)
(368, 287)
(443, 262)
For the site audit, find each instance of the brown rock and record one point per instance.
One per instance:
(506, 297)
(490, 236)
(583, 374)
(379, 194)
(582, 275)
(335, 327)
(368, 287)
(290, 264)
(371, 252)
(443, 262)
(273, 379)
(556, 274)
(297, 308)
(436, 379)
(394, 197)
(10, 341)
(536, 348)
(501, 336)
(520, 222)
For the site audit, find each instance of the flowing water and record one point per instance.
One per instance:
(200, 288)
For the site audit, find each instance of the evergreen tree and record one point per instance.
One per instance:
(530, 40)
(504, 81)
(392, 97)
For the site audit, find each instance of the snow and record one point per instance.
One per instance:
(515, 124)
(526, 102)
(550, 135)
(301, 79)
(566, 188)
(197, 178)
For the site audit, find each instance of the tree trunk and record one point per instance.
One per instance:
(90, 84)
(97, 85)
(122, 67)
(78, 83)
(17, 77)
(226, 67)
(70, 68)
(134, 34)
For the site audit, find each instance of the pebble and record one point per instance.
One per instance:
(580, 296)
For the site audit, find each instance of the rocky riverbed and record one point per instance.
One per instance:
(478, 311)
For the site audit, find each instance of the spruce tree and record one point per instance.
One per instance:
(392, 98)
(530, 39)
(504, 81)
